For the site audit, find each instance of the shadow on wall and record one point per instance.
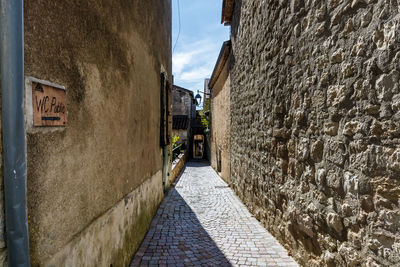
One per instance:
(236, 21)
(178, 240)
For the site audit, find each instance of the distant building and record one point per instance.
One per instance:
(207, 96)
(207, 88)
(183, 114)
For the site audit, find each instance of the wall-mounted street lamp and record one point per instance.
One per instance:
(198, 97)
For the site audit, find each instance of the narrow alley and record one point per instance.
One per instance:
(199, 133)
(202, 223)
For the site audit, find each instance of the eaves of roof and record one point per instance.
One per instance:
(227, 11)
(176, 87)
(221, 61)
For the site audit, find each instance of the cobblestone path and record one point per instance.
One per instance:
(202, 223)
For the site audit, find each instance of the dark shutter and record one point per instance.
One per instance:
(167, 91)
(164, 108)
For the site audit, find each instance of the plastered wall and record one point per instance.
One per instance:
(109, 56)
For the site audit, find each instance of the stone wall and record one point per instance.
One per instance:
(177, 166)
(183, 135)
(98, 179)
(220, 125)
(315, 108)
(182, 102)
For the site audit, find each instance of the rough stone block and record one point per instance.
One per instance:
(335, 222)
(331, 78)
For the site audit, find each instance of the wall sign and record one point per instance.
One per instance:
(49, 105)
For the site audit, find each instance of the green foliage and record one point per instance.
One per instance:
(175, 140)
(204, 119)
(207, 105)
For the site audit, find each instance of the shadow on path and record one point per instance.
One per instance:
(201, 222)
(177, 238)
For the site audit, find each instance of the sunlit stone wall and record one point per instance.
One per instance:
(315, 104)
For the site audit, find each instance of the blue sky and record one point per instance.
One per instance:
(199, 43)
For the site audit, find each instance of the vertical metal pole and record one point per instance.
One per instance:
(13, 127)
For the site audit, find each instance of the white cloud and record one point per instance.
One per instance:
(195, 74)
(192, 53)
(194, 62)
(181, 60)
(200, 39)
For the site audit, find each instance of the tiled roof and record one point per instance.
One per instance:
(180, 122)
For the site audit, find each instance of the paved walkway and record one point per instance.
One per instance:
(202, 223)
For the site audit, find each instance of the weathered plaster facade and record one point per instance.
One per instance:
(3, 246)
(220, 115)
(94, 186)
(315, 134)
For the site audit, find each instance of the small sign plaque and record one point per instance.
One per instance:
(49, 105)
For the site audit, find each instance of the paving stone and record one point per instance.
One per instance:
(201, 222)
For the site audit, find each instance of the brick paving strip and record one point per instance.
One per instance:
(201, 222)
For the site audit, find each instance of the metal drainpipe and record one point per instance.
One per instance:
(13, 127)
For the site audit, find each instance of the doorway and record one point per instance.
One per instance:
(198, 146)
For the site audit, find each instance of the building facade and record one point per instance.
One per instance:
(95, 183)
(315, 140)
(183, 115)
(219, 85)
